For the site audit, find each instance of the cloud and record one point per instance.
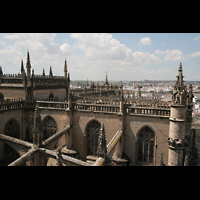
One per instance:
(104, 47)
(44, 52)
(145, 57)
(145, 41)
(101, 46)
(171, 55)
(111, 55)
(2, 43)
(195, 54)
(42, 42)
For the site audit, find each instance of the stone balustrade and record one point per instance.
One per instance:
(103, 105)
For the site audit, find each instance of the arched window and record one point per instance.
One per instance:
(92, 137)
(12, 129)
(49, 127)
(146, 139)
(51, 96)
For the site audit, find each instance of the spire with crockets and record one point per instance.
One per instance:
(102, 148)
(180, 90)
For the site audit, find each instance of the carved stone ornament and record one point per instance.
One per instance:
(174, 142)
(179, 94)
(102, 148)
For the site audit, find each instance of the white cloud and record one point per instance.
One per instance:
(110, 55)
(159, 52)
(42, 42)
(104, 47)
(172, 55)
(145, 41)
(2, 43)
(43, 51)
(101, 46)
(65, 48)
(145, 57)
(195, 54)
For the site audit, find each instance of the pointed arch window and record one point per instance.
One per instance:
(49, 127)
(92, 137)
(146, 139)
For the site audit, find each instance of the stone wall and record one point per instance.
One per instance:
(133, 125)
(59, 93)
(80, 121)
(13, 93)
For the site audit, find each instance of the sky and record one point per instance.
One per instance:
(125, 56)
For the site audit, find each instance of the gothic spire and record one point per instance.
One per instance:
(22, 66)
(179, 81)
(28, 65)
(65, 69)
(106, 82)
(180, 90)
(102, 148)
(50, 72)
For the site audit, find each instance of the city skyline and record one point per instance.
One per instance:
(125, 56)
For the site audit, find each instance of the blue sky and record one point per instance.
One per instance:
(125, 56)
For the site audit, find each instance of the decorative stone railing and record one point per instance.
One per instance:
(14, 104)
(12, 76)
(96, 107)
(52, 105)
(148, 111)
(103, 105)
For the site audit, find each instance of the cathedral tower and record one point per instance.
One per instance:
(177, 127)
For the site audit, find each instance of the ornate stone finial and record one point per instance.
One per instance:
(36, 127)
(102, 148)
(22, 66)
(28, 63)
(50, 72)
(43, 73)
(179, 94)
(180, 66)
(28, 68)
